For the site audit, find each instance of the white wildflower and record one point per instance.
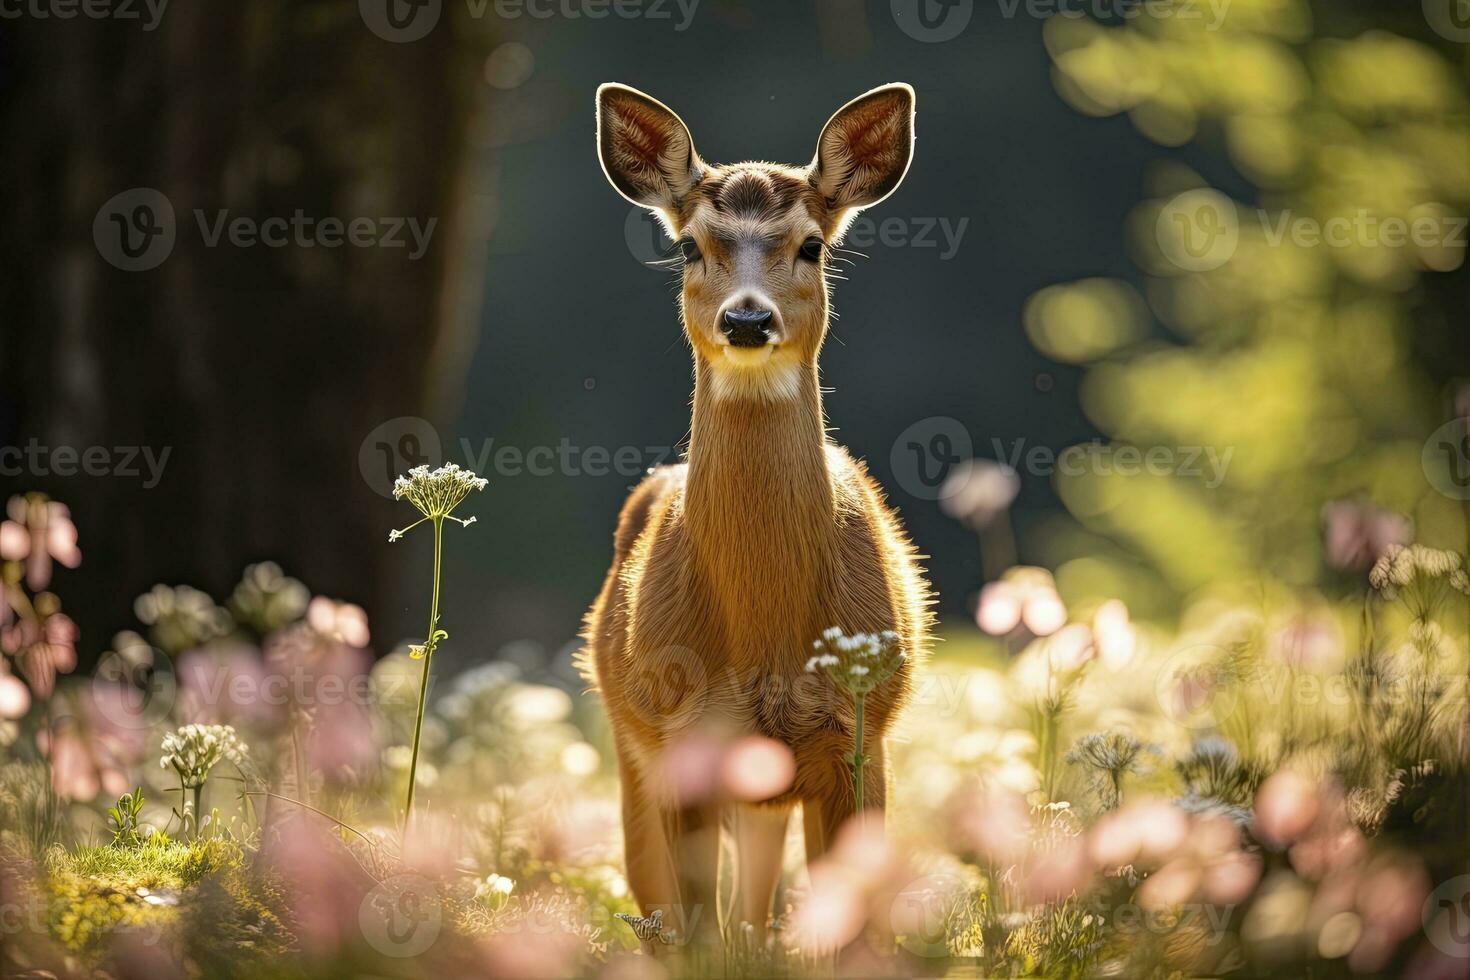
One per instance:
(436, 493)
(195, 749)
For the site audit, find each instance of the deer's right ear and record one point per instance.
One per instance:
(645, 148)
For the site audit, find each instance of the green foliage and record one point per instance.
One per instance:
(123, 817)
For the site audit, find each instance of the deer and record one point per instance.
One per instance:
(727, 565)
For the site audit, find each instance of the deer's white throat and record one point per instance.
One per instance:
(762, 374)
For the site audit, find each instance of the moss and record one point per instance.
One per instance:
(165, 890)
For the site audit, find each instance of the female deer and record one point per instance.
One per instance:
(727, 566)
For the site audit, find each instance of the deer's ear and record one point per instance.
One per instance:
(645, 148)
(865, 148)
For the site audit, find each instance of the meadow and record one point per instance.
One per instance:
(1217, 723)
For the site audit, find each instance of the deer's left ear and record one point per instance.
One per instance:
(865, 148)
(645, 148)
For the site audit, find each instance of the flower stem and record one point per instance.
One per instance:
(418, 724)
(858, 761)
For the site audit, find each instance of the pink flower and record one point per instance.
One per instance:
(38, 531)
(1358, 533)
(339, 621)
(15, 697)
(42, 644)
(1022, 596)
(977, 491)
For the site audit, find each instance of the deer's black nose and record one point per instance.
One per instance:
(747, 328)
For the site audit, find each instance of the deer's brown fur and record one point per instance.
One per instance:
(726, 567)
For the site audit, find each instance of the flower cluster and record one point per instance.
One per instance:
(195, 749)
(857, 663)
(436, 492)
(1024, 596)
(1402, 566)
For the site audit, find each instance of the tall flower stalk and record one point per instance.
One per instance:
(857, 664)
(435, 493)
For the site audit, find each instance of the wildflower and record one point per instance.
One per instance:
(1357, 533)
(858, 664)
(435, 493)
(42, 642)
(1107, 758)
(181, 618)
(195, 749)
(1023, 595)
(340, 622)
(39, 531)
(976, 492)
(495, 887)
(15, 697)
(266, 599)
(1114, 634)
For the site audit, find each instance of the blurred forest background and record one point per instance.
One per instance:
(1026, 291)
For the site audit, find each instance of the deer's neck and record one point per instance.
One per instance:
(758, 500)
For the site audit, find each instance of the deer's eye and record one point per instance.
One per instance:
(811, 249)
(689, 250)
